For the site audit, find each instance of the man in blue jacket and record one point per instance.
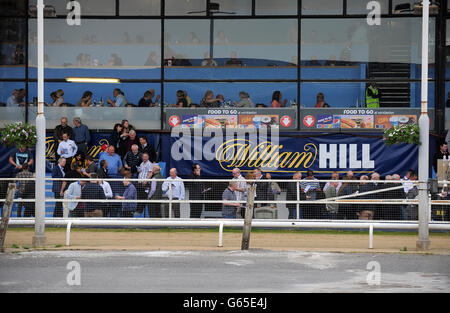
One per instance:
(57, 188)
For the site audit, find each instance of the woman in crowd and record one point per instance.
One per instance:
(276, 100)
(86, 99)
(209, 100)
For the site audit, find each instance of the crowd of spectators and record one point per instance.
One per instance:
(150, 99)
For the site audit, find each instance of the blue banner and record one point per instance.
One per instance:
(323, 154)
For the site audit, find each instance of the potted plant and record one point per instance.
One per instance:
(405, 133)
(19, 134)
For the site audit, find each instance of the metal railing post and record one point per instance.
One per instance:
(298, 199)
(170, 200)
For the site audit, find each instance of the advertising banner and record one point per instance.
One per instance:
(219, 153)
(328, 119)
(241, 118)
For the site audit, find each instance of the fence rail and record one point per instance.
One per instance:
(276, 199)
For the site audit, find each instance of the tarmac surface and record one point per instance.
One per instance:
(253, 271)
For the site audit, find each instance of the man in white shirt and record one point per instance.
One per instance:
(240, 190)
(334, 176)
(67, 149)
(74, 192)
(177, 190)
(142, 188)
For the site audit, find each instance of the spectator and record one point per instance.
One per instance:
(91, 166)
(57, 134)
(181, 100)
(221, 39)
(74, 192)
(108, 195)
(207, 61)
(155, 192)
(25, 191)
(334, 176)
(152, 94)
(240, 190)
(291, 195)
(372, 96)
(120, 100)
(127, 127)
(395, 212)
(86, 99)
(81, 135)
(102, 171)
(196, 192)
(233, 61)
(59, 98)
(132, 160)
(146, 100)
(320, 101)
(67, 149)
(145, 147)
(313, 61)
(228, 208)
(276, 100)
(15, 99)
(331, 192)
(262, 187)
(93, 191)
(19, 157)
(142, 186)
(209, 101)
(439, 155)
(311, 190)
(261, 105)
(221, 99)
(115, 60)
(188, 99)
(331, 61)
(79, 161)
(152, 59)
(411, 211)
(116, 136)
(58, 188)
(274, 191)
(128, 143)
(245, 101)
(347, 211)
(114, 163)
(177, 191)
(130, 193)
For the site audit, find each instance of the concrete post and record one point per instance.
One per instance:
(423, 243)
(39, 238)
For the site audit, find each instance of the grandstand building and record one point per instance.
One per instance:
(329, 75)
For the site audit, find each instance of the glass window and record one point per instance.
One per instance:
(360, 6)
(336, 95)
(186, 40)
(322, 7)
(100, 117)
(280, 7)
(99, 48)
(351, 42)
(258, 92)
(140, 7)
(88, 7)
(14, 8)
(256, 42)
(254, 98)
(176, 7)
(12, 47)
(6, 92)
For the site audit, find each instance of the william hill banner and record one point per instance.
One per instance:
(219, 153)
